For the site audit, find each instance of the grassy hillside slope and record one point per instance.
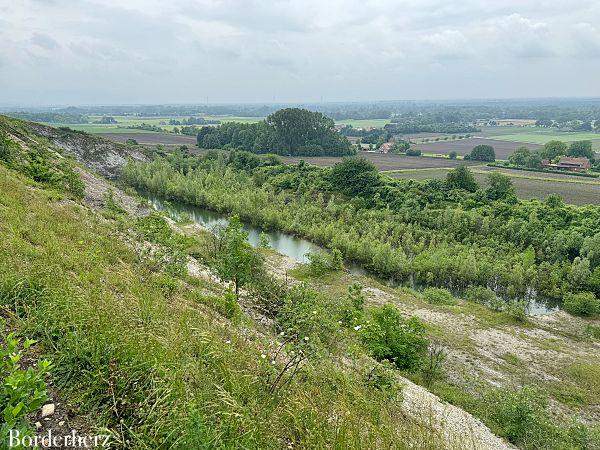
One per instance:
(148, 352)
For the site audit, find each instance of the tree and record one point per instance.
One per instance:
(520, 156)
(399, 147)
(482, 152)
(461, 178)
(581, 149)
(525, 158)
(553, 149)
(355, 177)
(452, 155)
(235, 257)
(500, 187)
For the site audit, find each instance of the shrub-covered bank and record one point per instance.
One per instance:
(447, 234)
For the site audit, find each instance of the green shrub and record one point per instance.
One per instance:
(521, 416)
(582, 304)
(437, 296)
(320, 263)
(306, 319)
(393, 337)
(353, 305)
(517, 309)
(484, 296)
(21, 391)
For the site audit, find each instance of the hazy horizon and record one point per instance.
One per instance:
(144, 52)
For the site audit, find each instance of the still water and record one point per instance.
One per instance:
(290, 245)
(284, 243)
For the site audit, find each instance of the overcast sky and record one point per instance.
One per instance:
(191, 51)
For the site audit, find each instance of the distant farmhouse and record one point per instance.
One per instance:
(569, 164)
(386, 147)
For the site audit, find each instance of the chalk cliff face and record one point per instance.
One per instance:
(100, 155)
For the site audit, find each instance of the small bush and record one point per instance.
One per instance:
(413, 152)
(320, 263)
(582, 304)
(521, 416)
(517, 309)
(392, 337)
(437, 296)
(484, 296)
(353, 309)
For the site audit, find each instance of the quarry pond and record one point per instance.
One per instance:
(289, 245)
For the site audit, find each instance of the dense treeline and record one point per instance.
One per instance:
(287, 132)
(51, 117)
(436, 233)
(559, 111)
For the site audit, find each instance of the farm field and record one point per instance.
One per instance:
(149, 137)
(528, 185)
(387, 161)
(503, 148)
(538, 135)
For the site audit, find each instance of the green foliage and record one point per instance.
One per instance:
(320, 263)
(452, 155)
(353, 309)
(553, 149)
(484, 296)
(461, 178)
(521, 417)
(517, 309)
(430, 231)
(413, 152)
(582, 304)
(392, 337)
(42, 165)
(235, 257)
(500, 187)
(263, 240)
(482, 152)
(290, 131)
(382, 377)
(433, 367)
(22, 391)
(526, 158)
(581, 149)
(593, 331)
(400, 147)
(355, 177)
(305, 318)
(437, 296)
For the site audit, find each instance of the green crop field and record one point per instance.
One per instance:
(535, 135)
(528, 185)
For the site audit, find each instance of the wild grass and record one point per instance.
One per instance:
(137, 347)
